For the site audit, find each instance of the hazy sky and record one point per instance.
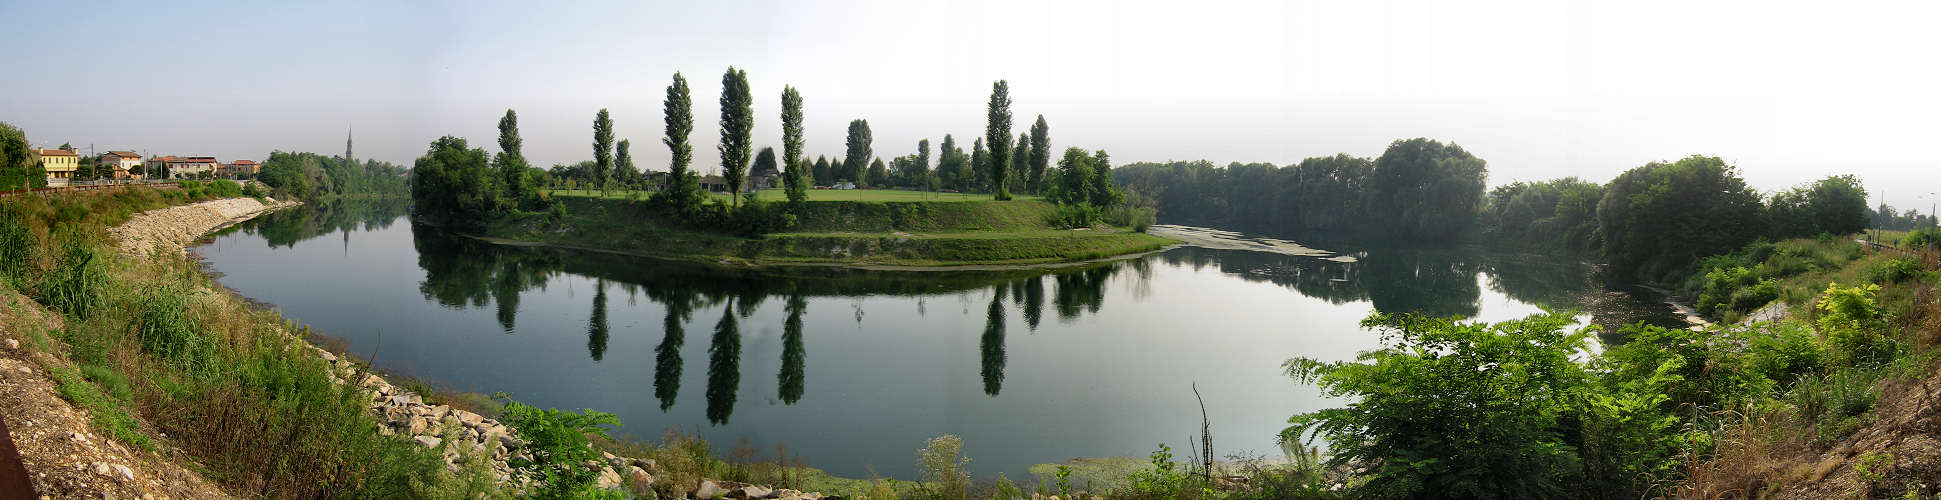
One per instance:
(1541, 89)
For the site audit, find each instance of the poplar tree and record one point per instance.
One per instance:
(997, 137)
(602, 149)
(623, 162)
(858, 151)
(737, 124)
(682, 188)
(792, 162)
(1040, 154)
(510, 162)
(1021, 164)
(980, 163)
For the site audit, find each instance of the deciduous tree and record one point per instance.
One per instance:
(997, 137)
(737, 127)
(793, 178)
(858, 152)
(1040, 154)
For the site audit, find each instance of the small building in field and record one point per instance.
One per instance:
(60, 165)
(126, 164)
(764, 178)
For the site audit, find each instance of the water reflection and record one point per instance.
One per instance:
(596, 323)
(991, 345)
(461, 273)
(724, 366)
(789, 380)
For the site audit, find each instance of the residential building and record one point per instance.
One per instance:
(192, 167)
(240, 169)
(126, 164)
(60, 165)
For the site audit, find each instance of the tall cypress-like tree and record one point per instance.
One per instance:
(858, 151)
(737, 126)
(511, 163)
(602, 149)
(623, 162)
(793, 178)
(509, 141)
(1020, 174)
(682, 188)
(1040, 154)
(980, 161)
(997, 137)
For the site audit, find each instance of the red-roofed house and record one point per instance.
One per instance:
(127, 164)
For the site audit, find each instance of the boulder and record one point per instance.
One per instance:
(639, 476)
(708, 489)
(470, 419)
(752, 491)
(608, 479)
(428, 441)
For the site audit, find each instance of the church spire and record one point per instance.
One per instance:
(347, 151)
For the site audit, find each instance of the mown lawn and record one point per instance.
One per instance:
(862, 195)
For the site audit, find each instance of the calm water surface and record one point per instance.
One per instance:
(854, 370)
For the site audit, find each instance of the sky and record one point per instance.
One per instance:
(1789, 92)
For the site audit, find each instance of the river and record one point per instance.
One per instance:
(853, 370)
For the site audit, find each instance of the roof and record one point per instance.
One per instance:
(123, 154)
(243, 162)
(192, 159)
(163, 158)
(54, 152)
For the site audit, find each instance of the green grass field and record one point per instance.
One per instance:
(870, 227)
(856, 195)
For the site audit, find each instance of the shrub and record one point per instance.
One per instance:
(1412, 407)
(1898, 269)
(556, 451)
(1786, 352)
(1851, 322)
(1164, 480)
(1073, 216)
(225, 188)
(942, 469)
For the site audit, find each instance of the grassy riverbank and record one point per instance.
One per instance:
(840, 229)
(165, 363)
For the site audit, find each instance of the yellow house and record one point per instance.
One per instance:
(59, 164)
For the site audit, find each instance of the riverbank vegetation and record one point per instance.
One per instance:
(18, 168)
(500, 196)
(311, 176)
(165, 365)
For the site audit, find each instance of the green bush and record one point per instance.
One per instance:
(1068, 216)
(941, 467)
(225, 188)
(1898, 269)
(556, 451)
(1785, 352)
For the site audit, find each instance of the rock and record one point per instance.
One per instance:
(428, 441)
(13, 344)
(608, 479)
(126, 473)
(327, 356)
(788, 494)
(708, 489)
(439, 411)
(752, 491)
(639, 476)
(644, 463)
(470, 419)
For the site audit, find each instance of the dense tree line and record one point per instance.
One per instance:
(1418, 188)
(1651, 222)
(311, 176)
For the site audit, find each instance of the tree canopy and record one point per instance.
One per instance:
(737, 127)
(997, 137)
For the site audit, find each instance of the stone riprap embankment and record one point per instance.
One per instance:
(173, 229)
